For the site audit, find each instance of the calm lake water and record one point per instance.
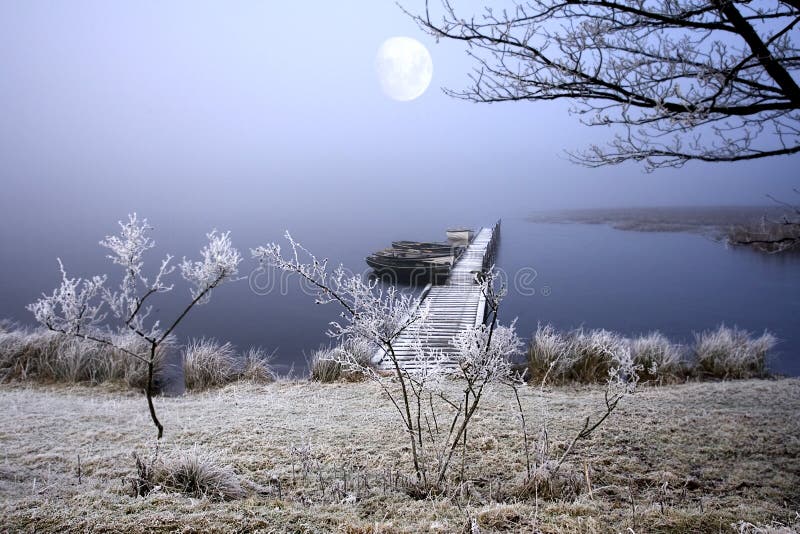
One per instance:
(566, 274)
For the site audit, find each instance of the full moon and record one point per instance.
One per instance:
(404, 68)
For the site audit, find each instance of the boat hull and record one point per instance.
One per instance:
(410, 272)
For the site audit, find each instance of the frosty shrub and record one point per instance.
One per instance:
(546, 476)
(374, 316)
(91, 311)
(732, 353)
(209, 363)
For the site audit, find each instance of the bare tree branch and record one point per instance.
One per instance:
(683, 80)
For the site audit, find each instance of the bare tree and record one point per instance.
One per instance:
(680, 80)
(78, 307)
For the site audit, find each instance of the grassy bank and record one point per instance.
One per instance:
(324, 457)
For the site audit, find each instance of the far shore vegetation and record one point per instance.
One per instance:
(764, 226)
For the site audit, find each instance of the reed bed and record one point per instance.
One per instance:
(45, 356)
(208, 363)
(586, 356)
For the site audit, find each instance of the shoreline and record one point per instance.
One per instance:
(711, 221)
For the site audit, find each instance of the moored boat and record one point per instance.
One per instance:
(421, 261)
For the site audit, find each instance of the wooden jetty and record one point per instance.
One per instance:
(452, 307)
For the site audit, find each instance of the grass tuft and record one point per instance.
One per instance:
(732, 353)
(659, 358)
(347, 361)
(550, 482)
(256, 366)
(324, 367)
(200, 475)
(208, 363)
(578, 356)
(192, 472)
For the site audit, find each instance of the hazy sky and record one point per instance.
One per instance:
(262, 116)
(112, 106)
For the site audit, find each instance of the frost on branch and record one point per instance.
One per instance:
(676, 80)
(220, 263)
(484, 357)
(379, 315)
(127, 250)
(370, 311)
(73, 307)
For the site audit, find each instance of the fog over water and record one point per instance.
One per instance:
(237, 117)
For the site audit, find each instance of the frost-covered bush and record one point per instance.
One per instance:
(91, 311)
(732, 353)
(374, 316)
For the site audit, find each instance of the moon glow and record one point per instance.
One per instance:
(404, 67)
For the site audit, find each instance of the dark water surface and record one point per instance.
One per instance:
(634, 282)
(566, 274)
